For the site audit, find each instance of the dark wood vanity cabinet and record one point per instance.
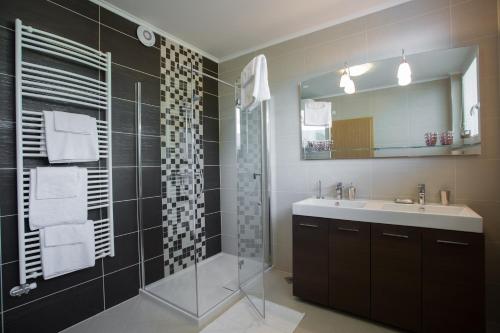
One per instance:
(310, 258)
(350, 267)
(416, 279)
(453, 282)
(396, 267)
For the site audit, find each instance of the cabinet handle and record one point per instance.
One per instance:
(440, 241)
(348, 229)
(308, 225)
(394, 235)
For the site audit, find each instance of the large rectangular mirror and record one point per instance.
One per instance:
(428, 106)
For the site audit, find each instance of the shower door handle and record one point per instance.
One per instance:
(255, 175)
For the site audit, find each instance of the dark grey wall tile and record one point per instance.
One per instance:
(51, 18)
(151, 154)
(210, 129)
(210, 65)
(122, 285)
(6, 51)
(151, 181)
(213, 224)
(123, 85)
(153, 242)
(8, 192)
(213, 246)
(211, 177)
(210, 85)
(10, 276)
(150, 120)
(154, 270)
(152, 212)
(7, 98)
(9, 238)
(123, 25)
(7, 144)
(56, 312)
(212, 201)
(127, 51)
(124, 149)
(210, 105)
(126, 253)
(125, 217)
(211, 153)
(86, 8)
(124, 183)
(123, 116)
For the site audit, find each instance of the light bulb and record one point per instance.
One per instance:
(350, 88)
(404, 72)
(344, 79)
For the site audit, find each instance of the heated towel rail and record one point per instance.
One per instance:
(36, 81)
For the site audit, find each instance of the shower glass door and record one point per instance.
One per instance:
(252, 202)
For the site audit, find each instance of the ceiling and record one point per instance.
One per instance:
(426, 66)
(225, 29)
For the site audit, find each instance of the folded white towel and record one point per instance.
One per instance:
(49, 212)
(71, 143)
(56, 183)
(67, 248)
(317, 113)
(254, 83)
(73, 123)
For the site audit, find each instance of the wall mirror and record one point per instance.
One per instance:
(423, 104)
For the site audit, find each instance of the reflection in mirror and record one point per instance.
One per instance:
(437, 113)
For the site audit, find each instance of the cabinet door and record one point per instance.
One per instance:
(396, 276)
(350, 267)
(310, 258)
(453, 282)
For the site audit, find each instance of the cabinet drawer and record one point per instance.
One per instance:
(396, 276)
(310, 259)
(453, 281)
(350, 267)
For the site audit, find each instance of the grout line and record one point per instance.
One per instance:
(210, 117)
(218, 235)
(6, 28)
(151, 228)
(212, 213)
(120, 269)
(130, 133)
(74, 12)
(127, 234)
(211, 189)
(156, 257)
(136, 70)
(212, 94)
(131, 101)
(210, 141)
(126, 200)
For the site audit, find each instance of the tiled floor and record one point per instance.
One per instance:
(145, 316)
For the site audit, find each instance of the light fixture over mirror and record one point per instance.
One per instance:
(404, 71)
(345, 77)
(346, 81)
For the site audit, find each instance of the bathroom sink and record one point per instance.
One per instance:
(347, 203)
(429, 209)
(435, 216)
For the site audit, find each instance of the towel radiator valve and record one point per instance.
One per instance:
(22, 289)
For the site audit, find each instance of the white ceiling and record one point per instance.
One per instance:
(225, 29)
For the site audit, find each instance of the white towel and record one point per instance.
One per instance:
(317, 113)
(67, 140)
(49, 212)
(56, 183)
(254, 83)
(67, 248)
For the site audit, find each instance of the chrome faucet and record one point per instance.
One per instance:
(421, 194)
(320, 195)
(339, 191)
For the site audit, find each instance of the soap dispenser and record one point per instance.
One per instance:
(351, 192)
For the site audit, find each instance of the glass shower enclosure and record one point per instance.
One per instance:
(191, 282)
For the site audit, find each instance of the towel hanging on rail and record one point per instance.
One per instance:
(254, 83)
(67, 248)
(63, 210)
(70, 137)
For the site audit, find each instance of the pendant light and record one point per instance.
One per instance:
(350, 88)
(404, 71)
(345, 77)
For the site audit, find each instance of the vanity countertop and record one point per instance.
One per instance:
(452, 217)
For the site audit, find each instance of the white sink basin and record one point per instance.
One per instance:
(431, 209)
(455, 217)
